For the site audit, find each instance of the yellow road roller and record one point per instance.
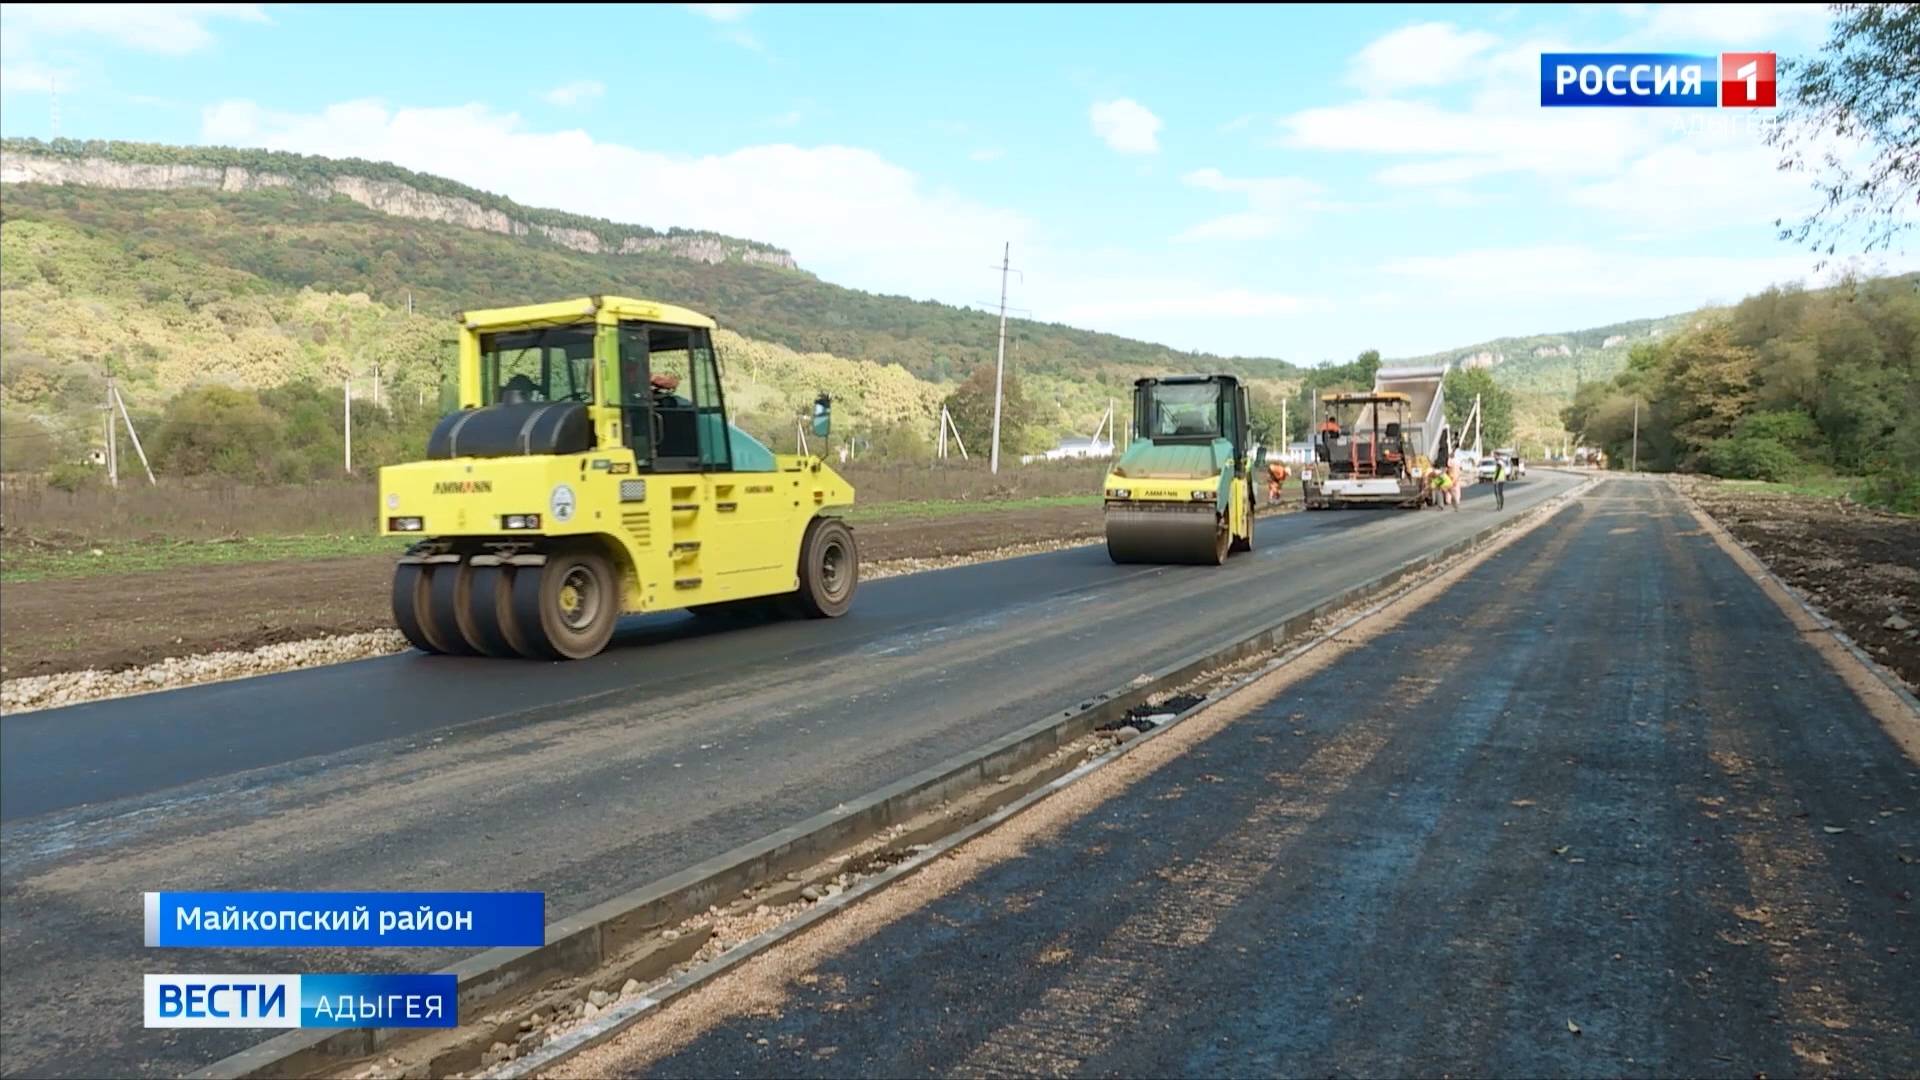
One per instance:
(1183, 491)
(590, 472)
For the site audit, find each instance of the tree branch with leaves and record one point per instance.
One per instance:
(1851, 119)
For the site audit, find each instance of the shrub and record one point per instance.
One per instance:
(70, 477)
(1892, 490)
(1791, 429)
(1751, 458)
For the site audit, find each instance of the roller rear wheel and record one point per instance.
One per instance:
(829, 569)
(565, 610)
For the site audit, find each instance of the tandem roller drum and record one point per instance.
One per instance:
(1176, 534)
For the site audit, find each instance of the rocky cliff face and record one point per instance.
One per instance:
(386, 196)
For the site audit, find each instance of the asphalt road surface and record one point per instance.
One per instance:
(1603, 790)
(580, 780)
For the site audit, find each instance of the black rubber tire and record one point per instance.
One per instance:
(412, 605)
(829, 569)
(1222, 543)
(503, 610)
(487, 611)
(447, 595)
(539, 614)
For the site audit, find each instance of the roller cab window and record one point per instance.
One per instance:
(671, 404)
(1181, 411)
(554, 363)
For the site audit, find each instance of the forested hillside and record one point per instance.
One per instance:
(1786, 383)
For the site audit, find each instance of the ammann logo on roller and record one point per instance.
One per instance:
(463, 487)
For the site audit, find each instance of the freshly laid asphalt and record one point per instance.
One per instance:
(1592, 812)
(580, 780)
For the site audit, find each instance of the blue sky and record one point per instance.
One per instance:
(1299, 182)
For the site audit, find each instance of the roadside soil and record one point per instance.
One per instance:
(1859, 566)
(118, 622)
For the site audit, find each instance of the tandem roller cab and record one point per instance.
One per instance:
(1183, 491)
(590, 472)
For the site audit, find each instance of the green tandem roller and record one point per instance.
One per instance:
(1183, 491)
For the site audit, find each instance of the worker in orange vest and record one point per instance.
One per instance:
(1276, 476)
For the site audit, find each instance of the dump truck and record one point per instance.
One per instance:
(1375, 448)
(589, 472)
(1183, 491)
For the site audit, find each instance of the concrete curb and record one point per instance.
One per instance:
(581, 942)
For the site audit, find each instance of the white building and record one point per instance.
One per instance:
(1073, 446)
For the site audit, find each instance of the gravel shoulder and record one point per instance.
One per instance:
(1859, 566)
(124, 621)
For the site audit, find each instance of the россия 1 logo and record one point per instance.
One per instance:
(1658, 80)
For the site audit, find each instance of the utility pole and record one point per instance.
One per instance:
(1636, 436)
(948, 426)
(376, 384)
(132, 434)
(346, 400)
(1000, 365)
(1286, 434)
(113, 461)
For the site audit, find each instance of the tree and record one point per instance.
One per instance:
(972, 407)
(1496, 404)
(1863, 87)
(1707, 384)
(217, 429)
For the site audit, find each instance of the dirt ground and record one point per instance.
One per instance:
(1859, 567)
(115, 622)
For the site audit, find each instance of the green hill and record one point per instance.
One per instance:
(1543, 370)
(168, 267)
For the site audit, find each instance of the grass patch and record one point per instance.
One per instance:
(30, 563)
(939, 508)
(27, 561)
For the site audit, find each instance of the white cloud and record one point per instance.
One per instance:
(1126, 125)
(987, 153)
(1684, 187)
(1187, 303)
(725, 13)
(1492, 137)
(173, 29)
(1424, 54)
(1563, 272)
(845, 213)
(1273, 204)
(574, 93)
(790, 118)
(30, 77)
